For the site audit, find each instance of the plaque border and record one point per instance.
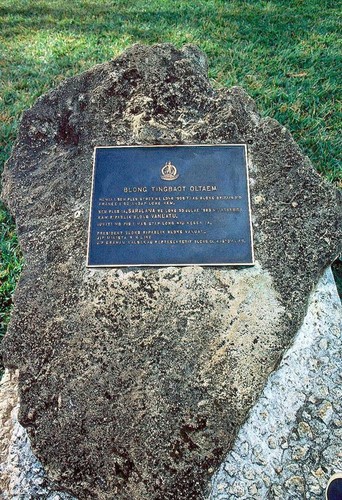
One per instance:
(232, 264)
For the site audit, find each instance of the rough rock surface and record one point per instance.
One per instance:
(134, 383)
(288, 448)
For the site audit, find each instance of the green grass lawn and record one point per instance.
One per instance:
(285, 53)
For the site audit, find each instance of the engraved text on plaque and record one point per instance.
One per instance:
(170, 205)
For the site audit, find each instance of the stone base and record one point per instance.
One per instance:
(291, 442)
(22, 476)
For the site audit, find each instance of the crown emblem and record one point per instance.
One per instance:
(169, 172)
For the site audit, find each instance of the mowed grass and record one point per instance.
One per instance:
(285, 53)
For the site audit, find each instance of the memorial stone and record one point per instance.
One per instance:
(134, 382)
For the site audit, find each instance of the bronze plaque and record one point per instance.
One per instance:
(170, 206)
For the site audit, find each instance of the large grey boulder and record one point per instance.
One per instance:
(133, 384)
